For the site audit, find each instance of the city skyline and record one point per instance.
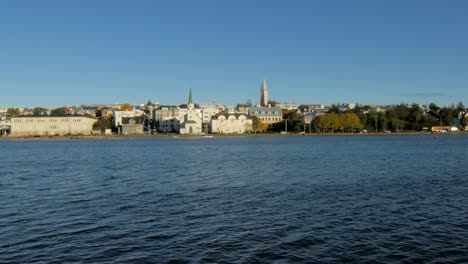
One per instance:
(368, 52)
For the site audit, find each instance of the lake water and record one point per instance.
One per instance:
(317, 199)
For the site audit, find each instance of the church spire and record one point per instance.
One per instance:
(190, 101)
(263, 94)
(190, 104)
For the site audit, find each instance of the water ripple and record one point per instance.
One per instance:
(235, 200)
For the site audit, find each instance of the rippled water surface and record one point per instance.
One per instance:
(387, 199)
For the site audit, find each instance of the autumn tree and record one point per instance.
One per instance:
(258, 125)
(350, 121)
(126, 107)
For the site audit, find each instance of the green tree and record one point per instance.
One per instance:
(39, 111)
(61, 111)
(13, 112)
(185, 106)
(102, 124)
(334, 109)
(434, 111)
(462, 112)
(272, 103)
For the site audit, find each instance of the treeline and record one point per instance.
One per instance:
(39, 111)
(401, 117)
(409, 117)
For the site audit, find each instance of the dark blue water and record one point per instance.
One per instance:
(387, 199)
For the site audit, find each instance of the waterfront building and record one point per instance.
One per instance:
(167, 118)
(207, 114)
(263, 94)
(51, 125)
(266, 114)
(192, 121)
(118, 115)
(133, 125)
(4, 122)
(231, 123)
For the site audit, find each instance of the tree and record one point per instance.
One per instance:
(334, 121)
(258, 125)
(102, 124)
(13, 112)
(58, 112)
(126, 107)
(185, 106)
(39, 111)
(334, 109)
(434, 111)
(349, 122)
(462, 112)
(272, 103)
(248, 103)
(324, 122)
(290, 115)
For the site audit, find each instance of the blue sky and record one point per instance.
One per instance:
(55, 53)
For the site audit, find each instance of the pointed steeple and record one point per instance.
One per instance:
(190, 104)
(190, 101)
(263, 94)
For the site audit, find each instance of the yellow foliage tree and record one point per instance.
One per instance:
(258, 125)
(126, 107)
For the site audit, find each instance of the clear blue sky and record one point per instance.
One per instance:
(55, 53)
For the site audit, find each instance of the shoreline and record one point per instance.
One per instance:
(232, 135)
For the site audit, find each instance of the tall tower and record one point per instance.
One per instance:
(264, 94)
(190, 104)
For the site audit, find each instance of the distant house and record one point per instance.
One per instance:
(309, 116)
(133, 125)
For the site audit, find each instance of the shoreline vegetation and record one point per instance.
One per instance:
(330, 134)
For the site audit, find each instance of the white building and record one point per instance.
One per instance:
(51, 126)
(266, 114)
(118, 115)
(192, 121)
(208, 113)
(167, 118)
(288, 106)
(231, 124)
